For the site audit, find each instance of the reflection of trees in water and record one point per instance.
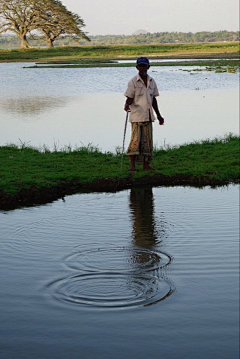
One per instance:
(32, 105)
(147, 232)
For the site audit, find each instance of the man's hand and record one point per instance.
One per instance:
(128, 103)
(127, 107)
(161, 120)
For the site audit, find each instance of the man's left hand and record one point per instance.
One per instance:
(161, 120)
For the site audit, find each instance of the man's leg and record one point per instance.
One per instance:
(133, 147)
(147, 146)
(132, 162)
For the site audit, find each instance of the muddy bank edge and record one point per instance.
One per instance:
(35, 196)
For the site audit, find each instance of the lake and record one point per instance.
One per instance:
(147, 272)
(140, 273)
(61, 107)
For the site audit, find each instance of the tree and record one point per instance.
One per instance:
(19, 17)
(56, 20)
(51, 17)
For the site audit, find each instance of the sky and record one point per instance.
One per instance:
(123, 17)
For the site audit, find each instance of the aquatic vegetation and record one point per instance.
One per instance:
(227, 68)
(218, 66)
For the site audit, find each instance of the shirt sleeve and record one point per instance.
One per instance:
(130, 92)
(155, 90)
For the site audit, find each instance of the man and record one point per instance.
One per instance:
(141, 100)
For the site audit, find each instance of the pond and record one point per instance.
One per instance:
(147, 272)
(141, 273)
(76, 107)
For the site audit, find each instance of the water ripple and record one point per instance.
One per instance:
(112, 277)
(121, 258)
(111, 290)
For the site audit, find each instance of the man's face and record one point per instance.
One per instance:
(143, 69)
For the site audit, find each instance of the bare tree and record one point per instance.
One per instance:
(50, 17)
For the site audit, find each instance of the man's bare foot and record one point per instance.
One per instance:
(147, 167)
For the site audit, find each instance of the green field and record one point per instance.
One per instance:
(206, 50)
(25, 170)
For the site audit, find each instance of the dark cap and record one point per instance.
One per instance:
(142, 61)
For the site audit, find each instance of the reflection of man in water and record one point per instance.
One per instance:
(146, 280)
(142, 211)
(145, 234)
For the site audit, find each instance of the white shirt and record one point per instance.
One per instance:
(142, 98)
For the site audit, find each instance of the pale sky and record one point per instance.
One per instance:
(123, 17)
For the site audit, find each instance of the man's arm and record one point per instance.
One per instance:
(156, 109)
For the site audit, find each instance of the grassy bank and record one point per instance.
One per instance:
(208, 50)
(230, 65)
(32, 175)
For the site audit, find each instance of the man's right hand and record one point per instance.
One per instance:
(127, 108)
(128, 103)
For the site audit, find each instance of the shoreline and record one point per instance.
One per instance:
(224, 50)
(173, 56)
(207, 63)
(30, 176)
(207, 57)
(34, 196)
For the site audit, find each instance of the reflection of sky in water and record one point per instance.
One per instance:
(82, 106)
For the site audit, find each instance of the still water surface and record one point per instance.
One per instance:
(147, 272)
(134, 274)
(58, 107)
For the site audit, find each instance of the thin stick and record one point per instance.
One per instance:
(124, 135)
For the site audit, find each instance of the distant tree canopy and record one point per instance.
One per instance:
(49, 17)
(166, 38)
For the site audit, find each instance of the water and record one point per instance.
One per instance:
(165, 60)
(134, 274)
(61, 107)
(148, 272)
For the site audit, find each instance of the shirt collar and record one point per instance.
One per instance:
(149, 78)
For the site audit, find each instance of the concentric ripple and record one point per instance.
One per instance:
(117, 259)
(111, 290)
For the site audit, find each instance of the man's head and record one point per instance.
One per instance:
(142, 64)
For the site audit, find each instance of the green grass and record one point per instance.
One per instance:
(218, 158)
(24, 167)
(230, 49)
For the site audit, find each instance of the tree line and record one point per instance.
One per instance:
(49, 19)
(155, 38)
(166, 38)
